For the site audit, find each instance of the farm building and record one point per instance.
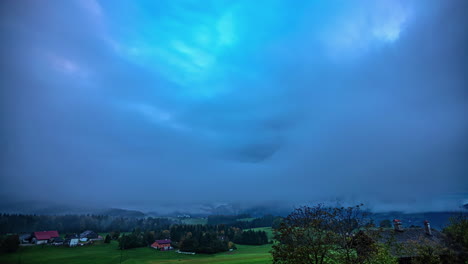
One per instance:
(70, 236)
(404, 242)
(43, 237)
(57, 241)
(71, 242)
(25, 238)
(162, 245)
(89, 235)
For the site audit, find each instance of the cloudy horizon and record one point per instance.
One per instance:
(156, 101)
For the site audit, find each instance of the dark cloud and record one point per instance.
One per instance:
(297, 101)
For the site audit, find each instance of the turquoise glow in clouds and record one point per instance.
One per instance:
(202, 47)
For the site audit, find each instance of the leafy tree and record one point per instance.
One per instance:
(133, 240)
(457, 230)
(115, 235)
(346, 221)
(322, 234)
(277, 222)
(166, 234)
(457, 233)
(385, 223)
(424, 251)
(383, 256)
(10, 243)
(231, 245)
(251, 237)
(188, 243)
(108, 239)
(149, 237)
(365, 247)
(305, 236)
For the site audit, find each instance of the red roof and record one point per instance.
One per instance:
(45, 235)
(161, 243)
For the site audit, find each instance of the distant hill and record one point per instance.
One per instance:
(47, 208)
(122, 213)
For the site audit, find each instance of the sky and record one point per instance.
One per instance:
(145, 102)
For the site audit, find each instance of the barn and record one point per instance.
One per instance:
(162, 245)
(89, 235)
(43, 237)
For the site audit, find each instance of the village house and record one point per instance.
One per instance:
(162, 245)
(57, 241)
(71, 240)
(404, 242)
(25, 238)
(43, 237)
(89, 235)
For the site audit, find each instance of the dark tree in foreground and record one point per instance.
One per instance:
(10, 243)
(305, 236)
(114, 235)
(322, 234)
(108, 239)
(457, 230)
(352, 244)
(385, 223)
(364, 247)
(457, 234)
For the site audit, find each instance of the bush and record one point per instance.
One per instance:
(385, 223)
(10, 244)
(115, 235)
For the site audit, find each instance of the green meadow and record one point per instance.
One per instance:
(108, 253)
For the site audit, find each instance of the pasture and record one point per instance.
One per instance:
(108, 253)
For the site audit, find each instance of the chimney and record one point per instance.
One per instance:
(397, 225)
(427, 227)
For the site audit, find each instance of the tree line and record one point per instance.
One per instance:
(195, 238)
(251, 237)
(233, 220)
(19, 223)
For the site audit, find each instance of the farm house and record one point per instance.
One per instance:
(43, 237)
(162, 245)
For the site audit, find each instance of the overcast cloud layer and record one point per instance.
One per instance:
(128, 101)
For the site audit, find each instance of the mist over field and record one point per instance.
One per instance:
(165, 106)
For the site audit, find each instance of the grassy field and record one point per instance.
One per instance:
(108, 253)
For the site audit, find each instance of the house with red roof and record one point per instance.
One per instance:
(43, 237)
(162, 245)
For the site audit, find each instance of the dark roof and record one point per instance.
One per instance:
(88, 234)
(401, 242)
(410, 234)
(67, 236)
(45, 235)
(58, 240)
(25, 236)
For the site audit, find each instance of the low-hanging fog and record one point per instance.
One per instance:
(140, 103)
